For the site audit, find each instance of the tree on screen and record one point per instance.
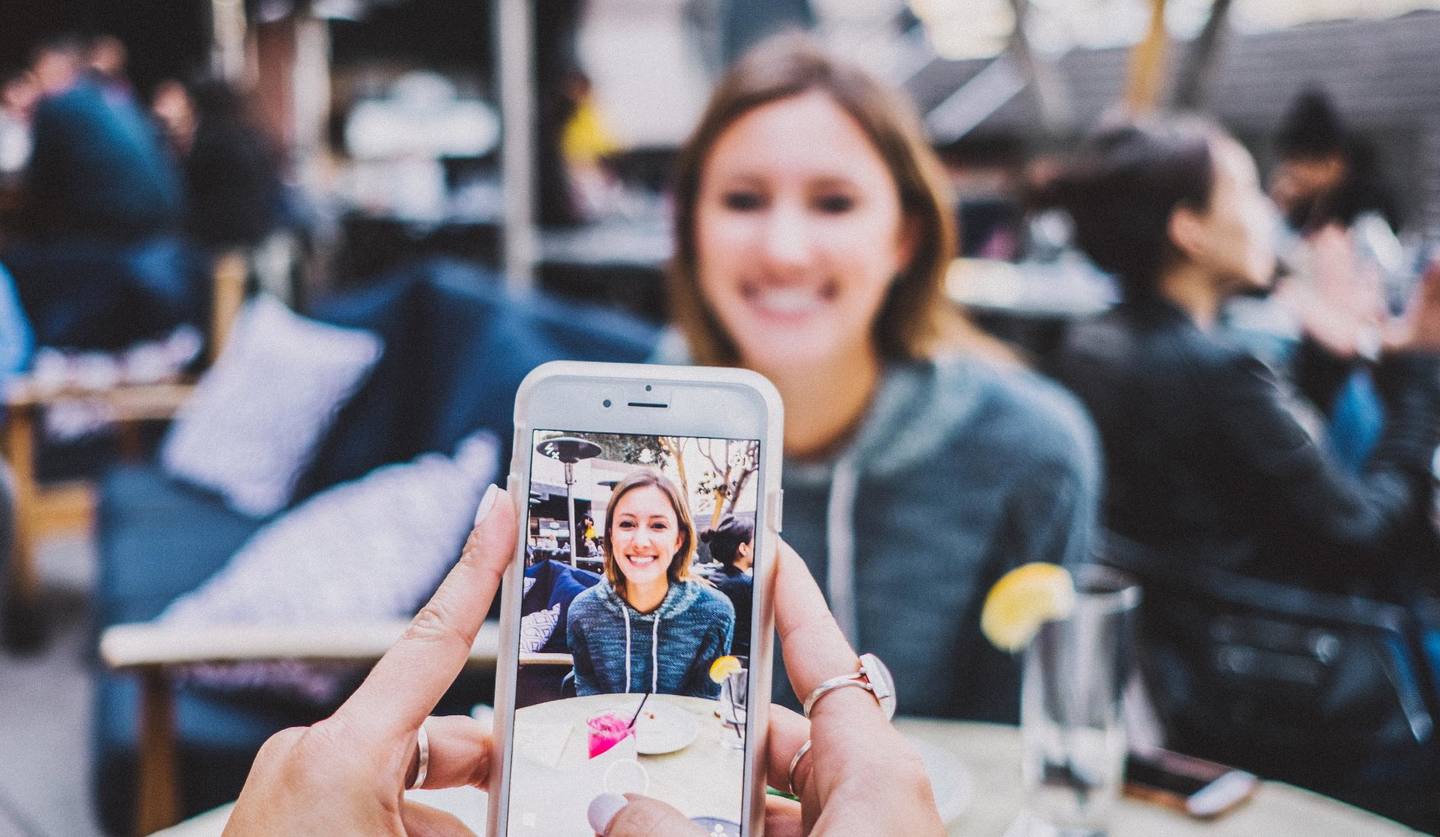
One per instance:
(732, 464)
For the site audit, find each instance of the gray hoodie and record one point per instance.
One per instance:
(618, 649)
(961, 470)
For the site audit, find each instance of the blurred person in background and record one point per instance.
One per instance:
(18, 96)
(174, 111)
(1326, 175)
(1330, 190)
(1209, 457)
(234, 196)
(96, 170)
(814, 230)
(561, 86)
(105, 60)
(1214, 461)
(99, 206)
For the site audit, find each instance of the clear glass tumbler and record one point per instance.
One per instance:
(733, 705)
(1070, 706)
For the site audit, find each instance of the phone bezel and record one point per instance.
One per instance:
(699, 402)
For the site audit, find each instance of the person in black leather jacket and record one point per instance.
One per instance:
(1209, 455)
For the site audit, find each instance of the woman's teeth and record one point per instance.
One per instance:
(788, 301)
(642, 560)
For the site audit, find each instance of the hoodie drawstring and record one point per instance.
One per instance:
(840, 545)
(655, 656)
(627, 651)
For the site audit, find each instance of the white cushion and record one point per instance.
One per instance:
(371, 549)
(257, 415)
(535, 628)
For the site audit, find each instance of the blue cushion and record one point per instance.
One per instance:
(457, 345)
(361, 439)
(556, 582)
(158, 539)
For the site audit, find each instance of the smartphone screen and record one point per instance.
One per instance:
(635, 622)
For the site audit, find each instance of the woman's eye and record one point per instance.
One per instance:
(626, 524)
(743, 201)
(834, 204)
(660, 527)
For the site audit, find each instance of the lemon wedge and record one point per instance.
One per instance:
(723, 667)
(1021, 601)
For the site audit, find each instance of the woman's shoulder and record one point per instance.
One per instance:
(710, 600)
(587, 601)
(1017, 407)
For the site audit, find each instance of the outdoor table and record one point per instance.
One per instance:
(989, 756)
(701, 779)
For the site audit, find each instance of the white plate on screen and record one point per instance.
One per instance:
(661, 727)
(954, 788)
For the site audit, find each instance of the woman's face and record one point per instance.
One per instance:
(799, 233)
(1234, 237)
(644, 535)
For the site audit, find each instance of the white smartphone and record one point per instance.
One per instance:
(636, 621)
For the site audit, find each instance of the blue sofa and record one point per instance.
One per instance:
(456, 349)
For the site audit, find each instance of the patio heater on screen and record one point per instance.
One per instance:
(568, 450)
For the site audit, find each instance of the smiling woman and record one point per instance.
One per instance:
(814, 232)
(648, 600)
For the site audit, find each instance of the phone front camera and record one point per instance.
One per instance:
(606, 402)
(647, 387)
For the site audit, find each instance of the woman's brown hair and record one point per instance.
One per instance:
(915, 318)
(679, 569)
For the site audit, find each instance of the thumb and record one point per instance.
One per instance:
(633, 815)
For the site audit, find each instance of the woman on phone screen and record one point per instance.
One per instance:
(649, 626)
(814, 232)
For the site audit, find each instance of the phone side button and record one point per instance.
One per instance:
(777, 510)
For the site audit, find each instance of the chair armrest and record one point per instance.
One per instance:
(131, 402)
(538, 658)
(145, 645)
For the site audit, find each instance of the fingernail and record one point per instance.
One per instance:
(487, 503)
(603, 810)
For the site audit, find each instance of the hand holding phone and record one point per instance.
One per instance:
(853, 745)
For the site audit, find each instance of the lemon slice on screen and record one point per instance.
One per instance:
(723, 667)
(1024, 599)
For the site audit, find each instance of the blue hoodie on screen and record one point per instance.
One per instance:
(618, 649)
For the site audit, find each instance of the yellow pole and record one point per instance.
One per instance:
(1147, 64)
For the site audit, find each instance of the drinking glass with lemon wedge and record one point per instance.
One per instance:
(730, 672)
(1076, 634)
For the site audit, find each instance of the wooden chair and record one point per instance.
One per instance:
(44, 510)
(154, 651)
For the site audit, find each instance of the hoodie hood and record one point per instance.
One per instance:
(916, 412)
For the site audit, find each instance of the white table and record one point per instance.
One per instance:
(990, 755)
(555, 785)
